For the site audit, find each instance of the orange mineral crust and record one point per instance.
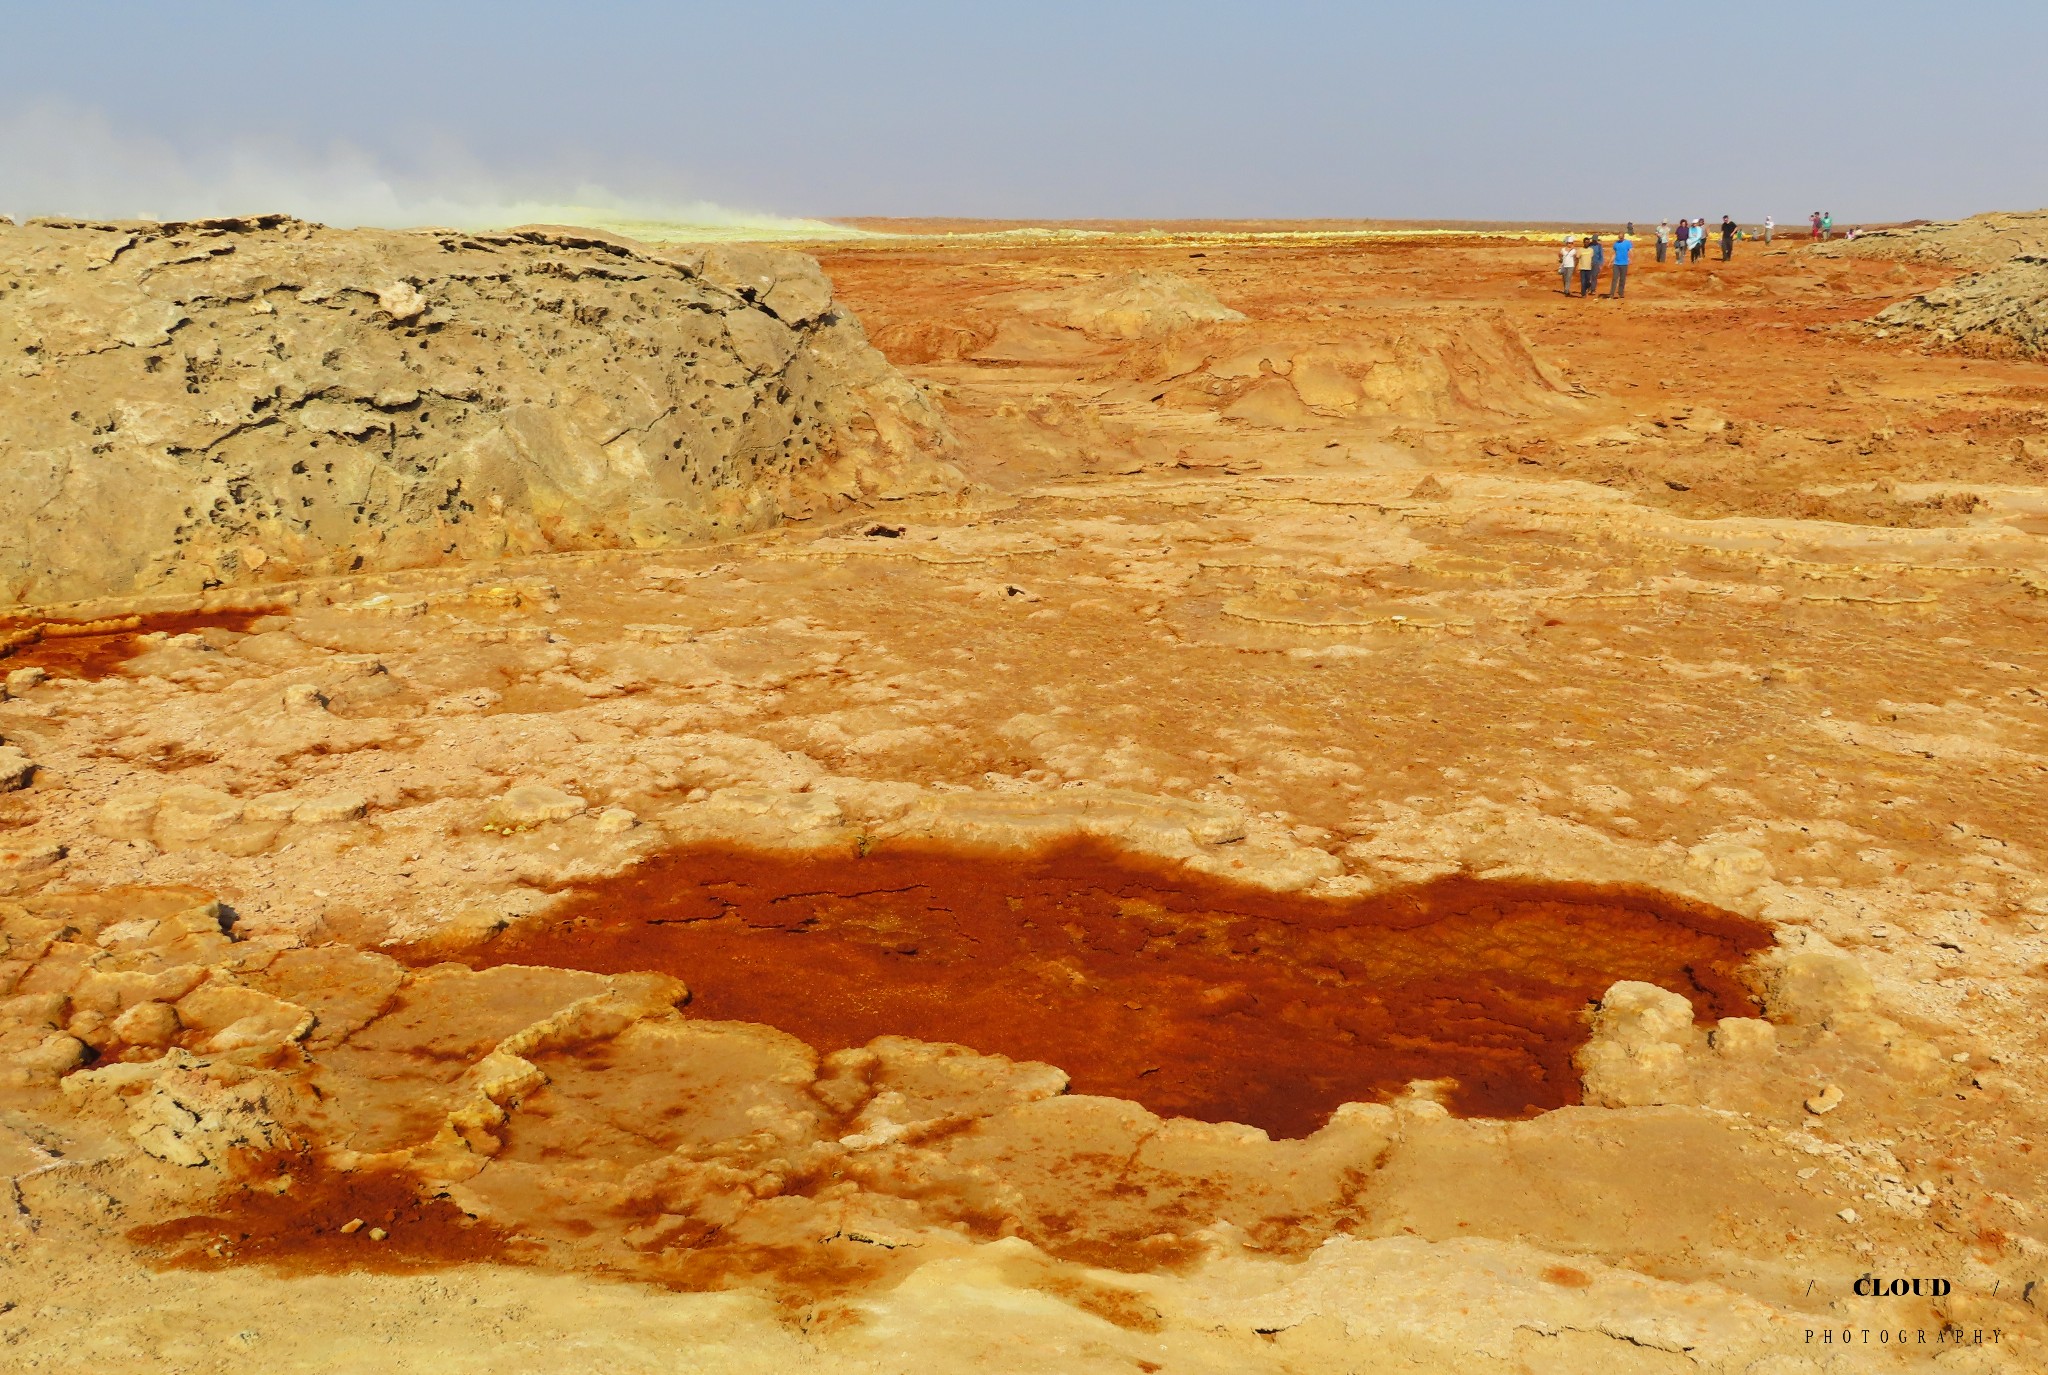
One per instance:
(93, 649)
(1192, 996)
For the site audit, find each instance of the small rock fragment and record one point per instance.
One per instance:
(22, 679)
(127, 817)
(149, 1024)
(1826, 1101)
(1812, 985)
(1635, 1013)
(304, 697)
(402, 301)
(1744, 1038)
(378, 1234)
(352, 1226)
(337, 807)
(613, 820)
(56, 1055)
(531, 804)
(16, 769)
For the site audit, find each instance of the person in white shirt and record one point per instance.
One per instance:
(1568, 262)
(1769, 225)
(1663, 238)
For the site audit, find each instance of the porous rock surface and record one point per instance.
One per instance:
(185, 405)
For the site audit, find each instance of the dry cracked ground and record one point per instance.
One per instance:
(1402, 822)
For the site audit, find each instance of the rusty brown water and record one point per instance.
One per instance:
(1189, 995)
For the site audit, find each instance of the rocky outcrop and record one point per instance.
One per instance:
(1135, 305)
(186, 405)
(1979, 241)
(2000, 312)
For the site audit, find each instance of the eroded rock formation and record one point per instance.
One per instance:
(2002, 311)
(187, 405)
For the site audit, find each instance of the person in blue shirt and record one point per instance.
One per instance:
(1617, 278)
(1589, 274)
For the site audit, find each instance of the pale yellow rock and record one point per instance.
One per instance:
(148, 1024)
(1639, 1014)
(128, 817)
(402, 301)
(1744, 1038)
(192, 813)
(335, 807)
(46, 1060)
(232, 1016)
(533, 804)
(1637, 1055)
(1809, 985)
(16, 769)
(304, 699)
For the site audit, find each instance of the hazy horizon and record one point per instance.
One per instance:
(464, 113)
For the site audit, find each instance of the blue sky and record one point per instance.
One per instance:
(1483, 109)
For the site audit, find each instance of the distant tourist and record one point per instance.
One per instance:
(1617, 279)
(1769, 225)
(1589, 265)
(1568, 262)
(1663, 238)
(1727, 238)
(1816, 226)
(1827, 224)
(1684, 239)
(1699, 238)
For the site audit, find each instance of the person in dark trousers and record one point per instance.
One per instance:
(1727, 238)
(1617, 279)
(1589, 280)
(1684, 239)
(1663, 238)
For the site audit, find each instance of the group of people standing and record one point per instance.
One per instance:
(1587, 257)
(1691, 238)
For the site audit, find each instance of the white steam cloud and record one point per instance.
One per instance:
(56, 160)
